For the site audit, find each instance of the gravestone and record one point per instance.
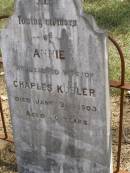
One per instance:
(55, 60)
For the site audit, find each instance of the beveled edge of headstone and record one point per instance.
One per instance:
(92, 22)
(89, 18)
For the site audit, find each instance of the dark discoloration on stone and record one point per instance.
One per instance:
(61, 121)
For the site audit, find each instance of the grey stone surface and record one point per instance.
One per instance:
(55, 61)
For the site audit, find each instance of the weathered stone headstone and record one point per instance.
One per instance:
(55, 61)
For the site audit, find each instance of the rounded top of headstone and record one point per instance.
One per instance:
(59, 3)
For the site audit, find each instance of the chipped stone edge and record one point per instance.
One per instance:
(93, 24)
(88, 18)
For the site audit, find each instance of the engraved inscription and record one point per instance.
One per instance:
(67, 119)
(50, 22)
(58, 54)
(47, 70)
(55, 62)
(44, 2)
(61, 89)
(62, 105)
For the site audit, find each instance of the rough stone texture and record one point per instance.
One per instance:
(55, 61)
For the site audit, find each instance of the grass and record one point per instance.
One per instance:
(111, 15)
(6, 8)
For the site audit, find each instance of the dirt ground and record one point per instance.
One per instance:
(7, 150)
